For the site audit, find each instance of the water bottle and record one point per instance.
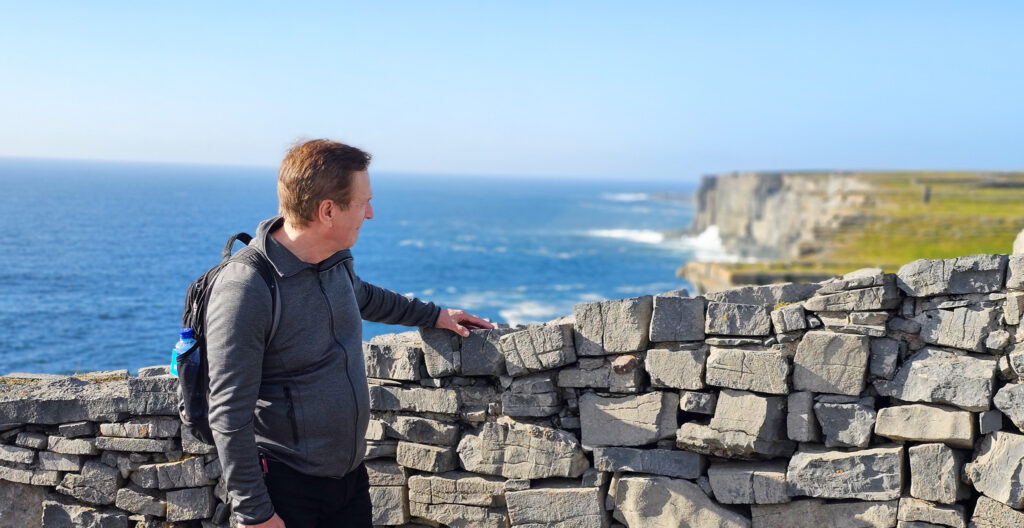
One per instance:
(185, 342)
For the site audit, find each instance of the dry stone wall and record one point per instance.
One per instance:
(871, 400)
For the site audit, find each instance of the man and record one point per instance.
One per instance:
(289, 416)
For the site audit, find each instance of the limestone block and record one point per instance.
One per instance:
(76, 429)
(537, 348)
(698, 402)
(831, 363)
(989, 421)
(385, 473)
(459, 515)
(916, 510)
(390, 505)
(154, 427)
(1015, 272)
(587, 373)
(744, 425)
(816, 513)
(677, 318)
(737, 319)
(59, 462)
(935, 473)
(885, 354)
(63, 399)
(613, 327)
(155, 395)
(138, 445)
(429, 458)
(748, 369)
(21, 505)
(20, 455)
(846, 424)
(770, 294)
(995, 468)
(628, 420)
(1010, 400)
(626, 373)
(422, 430)
(536, 396)
(393, 356)
(663, 501)
(749, 482)
(969, 274)
(457, 487)
(526, 451)
(35, 477)
(1013, 307)
(926, 423)
(885, 297)
(577, 507)
(188, 473)
(679, 367)
(381, 449)
(191, 503)
(441, 352)
(137, 500)
(481, 352)
(96, 484)
(965, 327)
(194, 446)
(412, 399)
(31, 440)
(668, 462)
(59, 512)
(865, 474)
(937, 376)
(801, 423)
(789, 318)
(993, 514)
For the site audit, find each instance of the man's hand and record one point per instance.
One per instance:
(460, 322)
(273, 522)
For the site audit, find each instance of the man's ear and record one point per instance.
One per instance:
(325, 211)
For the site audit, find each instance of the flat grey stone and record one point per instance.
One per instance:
(557, 507)
(76, 429)
(935, 473)
(96, 484)
(137, 500)
(537, 348)
(394, 356)
(789, 318)
(21, 505)
(993, 514)
(481, 352)
(522, 451)
(663, 501)
(194, 446)
(677, 318)
(191, 503)
(51, 461)
(913, 510)
(884, 297)
(537, 396)
(457, 487)
(698, 402)
(965, 328)
(676, 367)
(142, 445)
(1010, 400)
(748, 369)
(768, 295)
(989, 421)
(749, 482)
(1015, 272)
(188, 473)
(20, 455)
(737, 319)
(413, 399)
(35, 477)
(816, 513)
(934, 375)
(390, 505)
(668, 462)
(846, 424)
(831, 363)
(745, 425)
(441, 352)
(59, 512)
(866, 474)
(386, 473)
(969, 274)
(31, 440)
(885, 355)
(458, 515)
(429, 458)
(926, 423)
(381, 449)
(613, 327)
(628, 420)
(155, 395)
(422, 430)
(995, 470)
(155, 427)
(801, 422)
(61, 399)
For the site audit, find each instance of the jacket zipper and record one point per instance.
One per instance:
(291, 416)
(351, 386)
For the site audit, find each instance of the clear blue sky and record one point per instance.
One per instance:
(606, 89)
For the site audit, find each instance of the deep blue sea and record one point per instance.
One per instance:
(95, 257)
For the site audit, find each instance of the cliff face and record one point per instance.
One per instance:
(775, 215)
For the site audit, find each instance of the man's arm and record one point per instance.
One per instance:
(238, 319)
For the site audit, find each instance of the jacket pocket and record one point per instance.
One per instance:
(291, 417)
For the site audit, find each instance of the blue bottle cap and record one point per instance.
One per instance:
(185, 333)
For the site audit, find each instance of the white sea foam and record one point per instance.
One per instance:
(625, 197)
(707, 246)
(528, 312)
(411, 242)
(646, 236)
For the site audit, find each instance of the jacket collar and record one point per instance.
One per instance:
(285, 263)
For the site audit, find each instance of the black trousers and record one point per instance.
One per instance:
(303, 501)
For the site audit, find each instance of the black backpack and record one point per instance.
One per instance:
(193, 373)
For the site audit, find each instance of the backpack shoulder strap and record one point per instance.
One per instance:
(251, 257)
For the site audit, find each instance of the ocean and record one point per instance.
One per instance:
(95, 257)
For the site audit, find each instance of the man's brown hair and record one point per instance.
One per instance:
(314, 171)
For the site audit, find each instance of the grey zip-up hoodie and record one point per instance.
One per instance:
(302, 400)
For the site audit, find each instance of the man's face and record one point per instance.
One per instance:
(347, 221)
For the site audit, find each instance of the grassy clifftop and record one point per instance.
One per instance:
(903, 216)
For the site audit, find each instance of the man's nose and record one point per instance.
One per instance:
(369, 211)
